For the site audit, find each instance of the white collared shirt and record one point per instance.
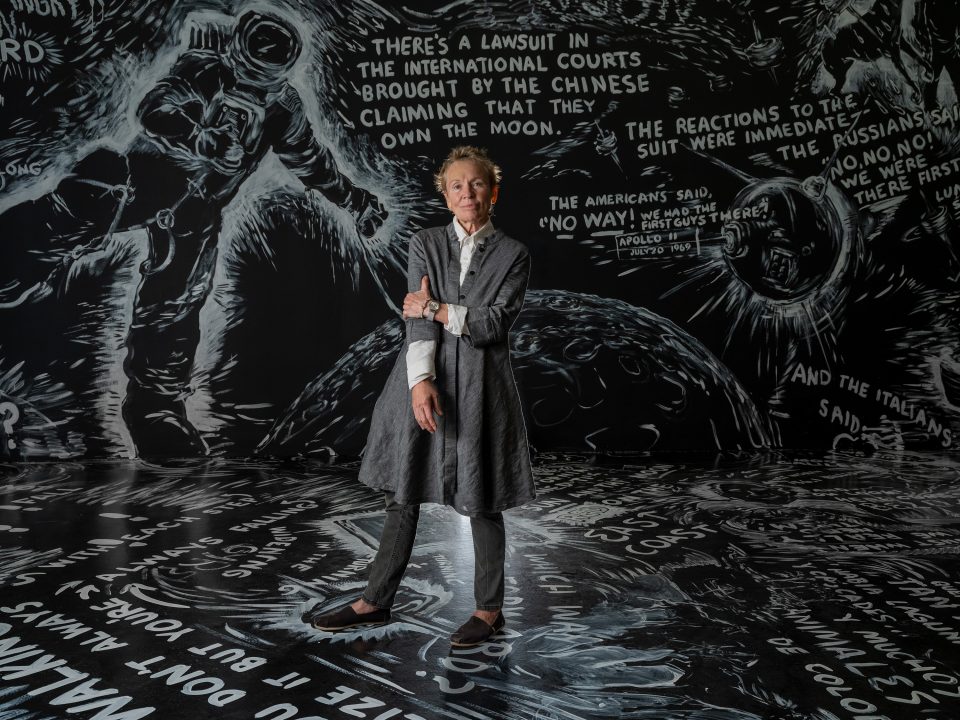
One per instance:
(421, 355)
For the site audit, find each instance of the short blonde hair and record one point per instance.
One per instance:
(468, 152)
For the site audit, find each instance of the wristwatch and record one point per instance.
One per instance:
(431, 309)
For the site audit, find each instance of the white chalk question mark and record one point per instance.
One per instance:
(11, 413)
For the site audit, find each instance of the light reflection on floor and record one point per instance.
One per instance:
(777, 586)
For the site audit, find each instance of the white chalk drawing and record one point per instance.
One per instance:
(775, 183)
(744, 587)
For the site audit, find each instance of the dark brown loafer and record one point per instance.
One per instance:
(476, 632)
(346, 618)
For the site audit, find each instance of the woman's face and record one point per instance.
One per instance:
(469, 194)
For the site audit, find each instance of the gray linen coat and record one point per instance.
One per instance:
(478, 460)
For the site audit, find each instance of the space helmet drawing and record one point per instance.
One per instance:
(264, 48)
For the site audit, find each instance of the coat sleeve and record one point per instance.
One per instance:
(490, 324)
(419, 328)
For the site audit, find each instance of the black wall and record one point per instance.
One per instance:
(741, 216)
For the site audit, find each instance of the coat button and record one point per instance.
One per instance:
(463, 297)
(473, 272)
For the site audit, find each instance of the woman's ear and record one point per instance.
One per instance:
(494, 194)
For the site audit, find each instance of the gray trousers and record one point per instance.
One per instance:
(396, 546)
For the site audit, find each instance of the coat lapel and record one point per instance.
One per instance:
(452, 280)
(483, 251)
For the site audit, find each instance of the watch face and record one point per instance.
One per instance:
(433, 305)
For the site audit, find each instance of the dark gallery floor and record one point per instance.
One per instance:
(785, 585)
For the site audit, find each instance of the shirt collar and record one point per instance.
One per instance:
(463, 235)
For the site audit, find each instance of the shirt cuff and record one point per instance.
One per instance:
(456, 320)
(421, 363)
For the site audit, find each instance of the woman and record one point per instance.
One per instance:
(448, 426)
